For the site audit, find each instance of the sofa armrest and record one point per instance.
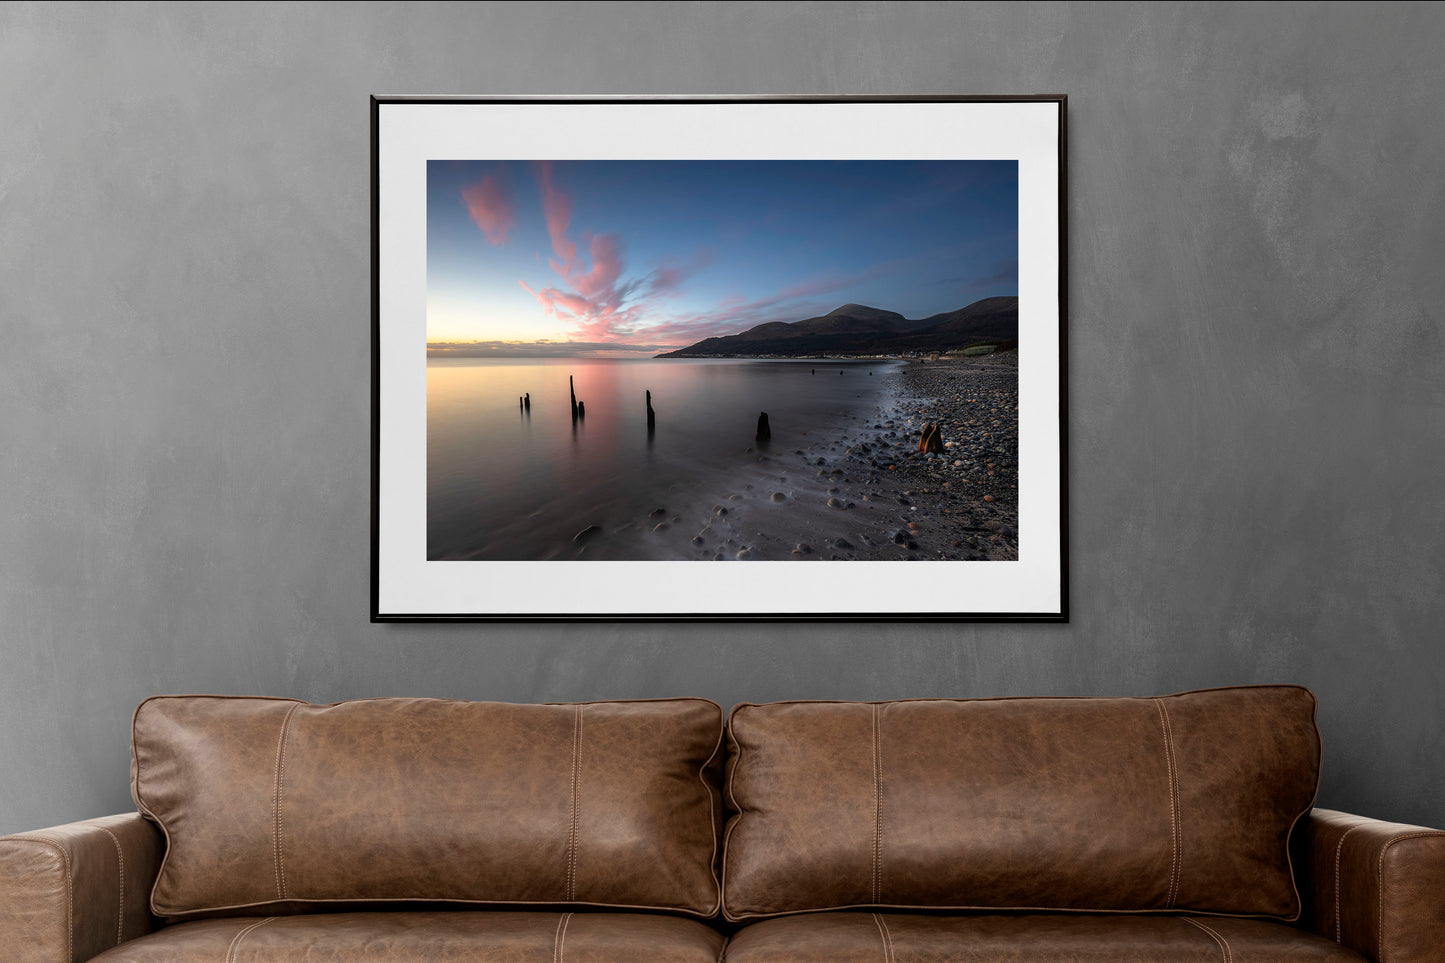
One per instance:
(1375, 887)
(71, 892)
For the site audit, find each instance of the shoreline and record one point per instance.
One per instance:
(862, 490)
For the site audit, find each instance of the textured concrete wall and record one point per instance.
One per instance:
(1257, 373)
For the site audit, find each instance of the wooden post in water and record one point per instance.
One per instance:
(582, 409)
(764, 431)
(651, 415)
(527, 401)
(573, 391)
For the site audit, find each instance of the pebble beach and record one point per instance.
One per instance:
(863, 491)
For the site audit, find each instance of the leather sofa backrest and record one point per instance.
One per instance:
(288, 806)
(1184, 802)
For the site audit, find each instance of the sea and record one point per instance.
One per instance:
(512, 481)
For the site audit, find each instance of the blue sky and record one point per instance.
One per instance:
(630, 257)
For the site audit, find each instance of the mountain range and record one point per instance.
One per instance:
(859, 329)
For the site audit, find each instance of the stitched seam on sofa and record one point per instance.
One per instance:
(877, 809)
(120, 913)
(1223, 943)
(276, 800)
(977, 908)
(572, 831)
(735, 750)
(1299, 903)
(1175, 831)
(1178, 809)
(69, 890)
(712, 815)
(887, 937)
(1339, 852)
(1380, 876)
(233, 952)
(559, 939)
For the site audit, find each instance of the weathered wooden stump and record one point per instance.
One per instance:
(651, 415)
(764, 430)
(932, 439)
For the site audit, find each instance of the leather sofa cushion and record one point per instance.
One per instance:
(278, 802)
(1184, 802)
(854, 937)
(428, 937)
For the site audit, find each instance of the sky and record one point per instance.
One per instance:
(627, 258)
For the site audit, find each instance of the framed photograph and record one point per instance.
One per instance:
(719, 358)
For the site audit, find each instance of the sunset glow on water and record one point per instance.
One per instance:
(505, 483)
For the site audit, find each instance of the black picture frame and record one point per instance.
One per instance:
(399, 125)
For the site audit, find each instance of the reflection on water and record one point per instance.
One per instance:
(513, 477)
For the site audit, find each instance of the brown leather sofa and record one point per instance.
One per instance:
(1169, 829)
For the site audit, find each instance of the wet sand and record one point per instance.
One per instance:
(862, 490)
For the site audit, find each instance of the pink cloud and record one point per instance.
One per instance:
(557, 210)
(600, 305)
(601, 281)
(489, 202)
(591, 293)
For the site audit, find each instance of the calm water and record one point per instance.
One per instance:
(506, 484)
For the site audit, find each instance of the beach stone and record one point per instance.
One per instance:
(989, 498)
(657, 513)
(734, 498)
(660, 527)
(744, 554)
(803, 548)
(719, 511)
(834, 503)
(842, 543)
(779, 497)
(587, 533)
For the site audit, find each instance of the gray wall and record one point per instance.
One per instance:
(1257, 373)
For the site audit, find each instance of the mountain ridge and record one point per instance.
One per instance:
(861, 329)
